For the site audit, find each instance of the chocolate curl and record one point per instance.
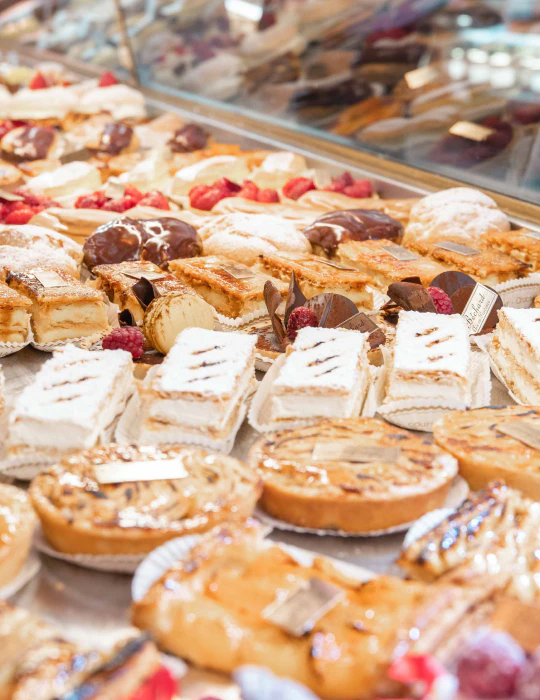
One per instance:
(337, 310)
(361, 322)
(272, 299)
(145, 292)
(125, 318)
(295, 298)
(459, 301)
(411, 297)
(451, 281)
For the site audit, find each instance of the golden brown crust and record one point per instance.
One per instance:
(79, 515)
(26, 283)
(517, 244)
(312, 269)
(484, 454)
(17, 521)
(349, 496)
(11, 299)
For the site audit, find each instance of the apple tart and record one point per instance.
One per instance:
(358, 475)
(81, 515)
(17, 520)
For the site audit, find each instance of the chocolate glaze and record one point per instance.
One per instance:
(335, 227)
(405, 54)
(190, 137)
(346, 92)
(156, 240)
(32, 143)
(115, 138)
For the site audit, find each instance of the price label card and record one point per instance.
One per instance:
(155, 470)
(350, 451)
(238, 271)
(457, 248)
(479, 307)
(150, 275)
(336, 265)
(526, 432)
(49, 278)
(471, 131)
(400, 253)
(421, 76)
(115, 189)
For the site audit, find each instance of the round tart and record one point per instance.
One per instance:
(485, 454)
(81, 516)
(17, 521)
(339, 494)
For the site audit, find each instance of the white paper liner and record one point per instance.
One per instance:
(30, 569)
(89, 342)
(163, 558)
(260, 411)
(10, 348)
(483, 342)
(426, 523)
(112, 563)
(128, 429)
(420, 414)
(239, 322)
(457, 494)
(520, 294)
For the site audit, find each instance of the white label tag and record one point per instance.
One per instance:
(421, 76)
(49, 278)
(350, 451)
(150, 275)
(155, 470)
(400, 253)
(479, 307)
(238, 271)
(457, 248)
(115, 189)
(471, 131)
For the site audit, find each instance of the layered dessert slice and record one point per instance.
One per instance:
(317, 275)
(325, 375)
(432, 358)
(14, 316)
(487, 266)
(61, 306)
(234, 290)
(385, 262)
(522, 244)
(199, 389)
(72, 403)
(515, 349)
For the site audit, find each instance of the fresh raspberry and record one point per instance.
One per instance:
(301, 318)
(161, 685)
(96, 200)
(107, 79)
(528, 684)
(267, 196)
(205, 197)
(226, 184)
(339, 184)
(155, 199)
(118, 205)
(360, 189)
(128, 338)
(7, 125)
(15, 206)
(38, 82)
(298, 186)
(441, 300)
(4, 211)
(249, 190)
(21, 216)
(133, 192)
(489, 665)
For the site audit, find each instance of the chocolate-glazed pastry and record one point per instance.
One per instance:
(155, 240)
(403, 54)
(335, 227)
(29, 143)
(321, 100)
(190, 137)
(115, 138)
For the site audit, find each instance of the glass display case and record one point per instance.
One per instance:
(451, 88)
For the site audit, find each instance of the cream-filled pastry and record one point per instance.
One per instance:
(207, 171)
(72, 179)
(14, 315)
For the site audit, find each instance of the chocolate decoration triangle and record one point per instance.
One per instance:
(295, 298)
(125, 318)
(145, 291)
(411, 297)
(272, 299)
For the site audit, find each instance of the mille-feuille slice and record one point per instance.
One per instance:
(522, 244)
(14, 315)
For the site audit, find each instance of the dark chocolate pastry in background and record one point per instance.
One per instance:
(464, 153)
(191, 137)
(335, 227)
(387, 64)
(29, 143)
(156, 240)
(322, 100)
(115, 138)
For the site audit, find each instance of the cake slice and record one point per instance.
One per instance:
(522, 244)
(72, 403)
(385, 262)
(61, 306)
(325, 375)
(515, 349)
(317, 275)
(231, 288)
(432, 358)
(199, 389)
(14, 316)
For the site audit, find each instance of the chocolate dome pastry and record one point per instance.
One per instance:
(156, 240)
(335, 227)
(32, 143)
(191, 137)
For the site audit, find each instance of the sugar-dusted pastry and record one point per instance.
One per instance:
(487, 265)
(328, 231)
(515, 348)
(325, 375)
(432, 358)
(233, 579)
(17, 521)
(522, 244)
(243, 237)
(401, 479)
(316, 275)
(485, 453)
(72, 179)
(40, 255)
(72, 402)
(28, 237)
(385, 262)
(459, 213)
(122, 102)
(199, 390)
(233, 290)
(134, 515)
(14, 315)
(62, 307)
(32, 143)
(207, 171)
(10, 175)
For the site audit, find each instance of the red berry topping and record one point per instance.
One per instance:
(118, 205)
(133, 192)
(154, 199)
(128, 338)
(360, 189)
(442, 301)
(19, 216)
(205, 197)
(268, 196)
(7, 125)
(298, 186)
(38, 82)
(96, 200)
(249, 190)
(161, 685)
(489, 665)
(301, 318)
(339, 184)
(107, 79)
